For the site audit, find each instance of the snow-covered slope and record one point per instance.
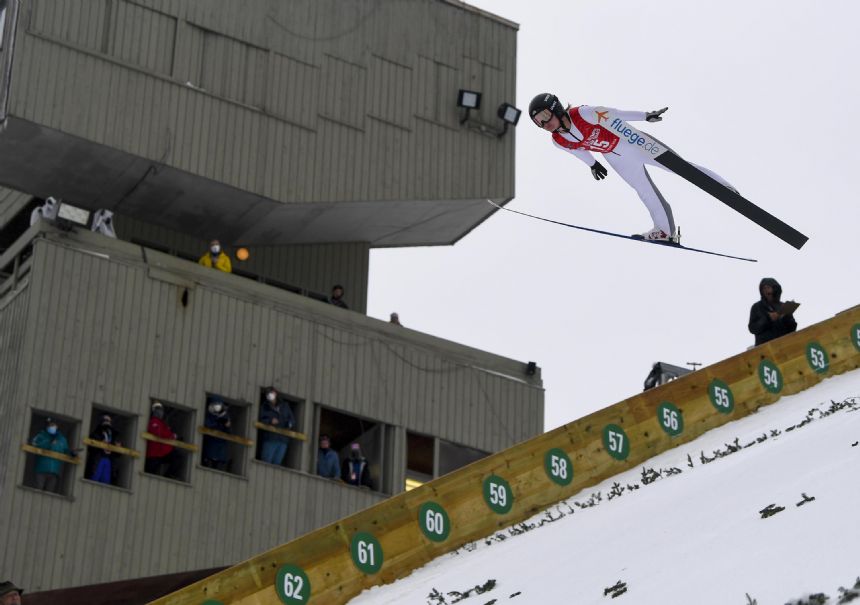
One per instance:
(763, 510)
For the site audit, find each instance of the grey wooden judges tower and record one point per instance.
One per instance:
(305, 131)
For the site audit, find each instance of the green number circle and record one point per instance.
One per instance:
(770, 376)
(670, 418)
(292, 585)
(721, 396)
(434, 521)
(212, 602)
(615, 441)
(855, 336)
(817, 357)
(366, 553)
(558, 466)
(498, 494)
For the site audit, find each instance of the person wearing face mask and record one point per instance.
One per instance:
(355, 471)
(161, 458)
(48, 470)
(102, 470)
(277, 413)
(215, 450)
(216, 258)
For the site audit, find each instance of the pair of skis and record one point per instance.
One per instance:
(645, 144)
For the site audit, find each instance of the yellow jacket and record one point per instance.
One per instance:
(222, 263)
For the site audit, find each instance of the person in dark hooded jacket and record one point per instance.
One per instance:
(766, 320)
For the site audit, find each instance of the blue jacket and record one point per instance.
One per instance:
(285, 417)
(213, 447)
(54, 443)
(328, 464)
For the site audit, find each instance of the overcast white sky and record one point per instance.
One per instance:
(764, 93)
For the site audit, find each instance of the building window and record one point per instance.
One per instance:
(453, 456)
(420, 450)
(110, 459)
(225, 426)
(169, 440)
(279, 422)
(51, 457)
(359, 445)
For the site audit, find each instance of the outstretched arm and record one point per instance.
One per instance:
(593, 114)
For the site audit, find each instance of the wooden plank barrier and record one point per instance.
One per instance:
(284, 432)
(174, 442)
(387, 541)
(225, 436)
(32, 449)
(116, 449)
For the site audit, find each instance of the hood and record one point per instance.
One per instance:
(777, 289)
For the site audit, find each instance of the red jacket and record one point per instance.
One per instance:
(159, 428)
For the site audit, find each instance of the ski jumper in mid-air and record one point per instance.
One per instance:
(585, 129)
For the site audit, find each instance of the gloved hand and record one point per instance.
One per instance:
(654, 116)
(598, 171)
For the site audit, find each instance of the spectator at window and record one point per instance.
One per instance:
(47, 211)
(10, 594)
(277, 413)
(328, 463)
(103, 223)
(336, 297)
(102, 465)
(161, 458)
(215, 452)
(395, 319)
(216, 258)
(48, 470)
(355, 471)
(769, 317)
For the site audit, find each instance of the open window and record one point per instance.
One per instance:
(420, 456)
(278, 424)
(453, 456)
(51, 457)
(359, 444)
(169, 437)
(224, 430)
(110, 459)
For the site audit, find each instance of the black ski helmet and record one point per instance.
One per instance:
(546, 100)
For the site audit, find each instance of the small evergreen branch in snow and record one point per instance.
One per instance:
(617, 590)
(770, 510)
(805, 499)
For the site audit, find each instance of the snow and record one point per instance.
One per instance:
(691, 537)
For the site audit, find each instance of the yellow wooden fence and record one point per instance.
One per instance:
(385, 542)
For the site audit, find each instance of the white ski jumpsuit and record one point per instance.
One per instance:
(587, 134)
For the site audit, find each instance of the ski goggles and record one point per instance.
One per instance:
(542, 117)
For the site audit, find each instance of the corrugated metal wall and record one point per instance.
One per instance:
(307, 100)
(108, 329)
(13, 323)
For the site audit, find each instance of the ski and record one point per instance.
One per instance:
(732, 199)
(628, 237)
(650, 148)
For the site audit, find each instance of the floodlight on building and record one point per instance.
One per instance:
(69, 216)
(469, 100)
(510, 115)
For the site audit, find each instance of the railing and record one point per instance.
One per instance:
(270, 281)
(383, 543)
